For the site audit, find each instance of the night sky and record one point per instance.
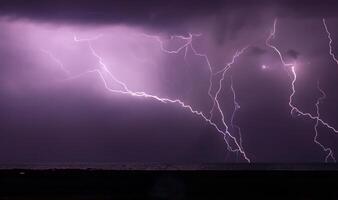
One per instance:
(65, 66)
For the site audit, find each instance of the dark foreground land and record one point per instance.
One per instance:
(226, 182)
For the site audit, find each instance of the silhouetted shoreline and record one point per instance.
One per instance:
(185, 167)
(165, 183)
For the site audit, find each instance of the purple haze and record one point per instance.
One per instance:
(56, 107)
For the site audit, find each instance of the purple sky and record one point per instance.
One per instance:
(56, 108)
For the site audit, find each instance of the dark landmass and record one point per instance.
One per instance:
(174, 167)
(238, 181)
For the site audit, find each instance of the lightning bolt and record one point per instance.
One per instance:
(105, 75)
(189, 45)
(236, 108)
(104, 70)
(186, 46)
(57, 61)
(267, 42)
(292, 66)
(315, 139)
(330, 42)
(223, 71)
(294, 108)
(76, 39)
(216, 103)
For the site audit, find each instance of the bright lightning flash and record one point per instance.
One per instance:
(104, 70)
(236, 146)
(292, 66)
(330, 42)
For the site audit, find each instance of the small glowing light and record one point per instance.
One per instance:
(264, 67)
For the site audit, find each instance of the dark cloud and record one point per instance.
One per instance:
(257, 51)
(293, 53)
(155, 13)
(103, 11)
